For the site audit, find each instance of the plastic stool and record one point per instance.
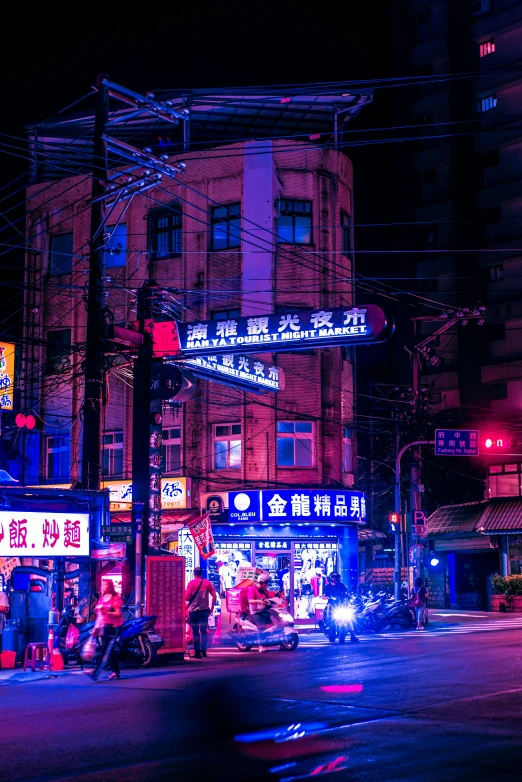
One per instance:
(37, 656)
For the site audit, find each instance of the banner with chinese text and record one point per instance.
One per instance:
(201, 530)
(40, 534)
(165, 599)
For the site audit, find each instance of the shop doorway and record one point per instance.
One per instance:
(472, 572)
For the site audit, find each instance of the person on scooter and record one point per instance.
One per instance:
(258, 596)
(337, 590)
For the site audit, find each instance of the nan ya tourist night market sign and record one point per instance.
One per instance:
(41, 534)
(240, 370)
(301, 329)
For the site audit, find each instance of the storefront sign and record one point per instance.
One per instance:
(241, 370)
(244, 506)
(187, 549)
(201, 530)
(273, 545)
(46, 535)
(120, 494)
(290, 331)
(175, 493)
(216, 504)
(297, 505)
(165, 599)
(7, 365)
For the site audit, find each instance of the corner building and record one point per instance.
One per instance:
(248, 229)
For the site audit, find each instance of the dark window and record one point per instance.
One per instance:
(496, 273)
(489, 159)
(225, 314)
(113, 454)
(115, 252)
(498, 391)
(295, 444)
(496, 332)
(346, 229)
(347, 450)
(58, 458)
(164, 229)
(171, 456)
(294, 224)
(61, 256)
(423, 17)
(58, 351)
(428, 176)
(492, 215)
(226, 227)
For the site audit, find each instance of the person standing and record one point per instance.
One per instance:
(109, 619)
(419, 601)
(201, 599)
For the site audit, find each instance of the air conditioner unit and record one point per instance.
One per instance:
(479, 7)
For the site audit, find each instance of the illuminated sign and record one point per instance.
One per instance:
(175, 493)
(187, 549)
(300, 329)
(297, 505)
(41, 534)
(120, 494)
(7, 364)
(462, 442)
(240, 370)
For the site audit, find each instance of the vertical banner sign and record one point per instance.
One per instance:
(7, 363)
(187, 550)
(201, 530)
(165, 599)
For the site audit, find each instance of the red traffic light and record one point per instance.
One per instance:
(497, 443)
(23, 421)
(394, 518)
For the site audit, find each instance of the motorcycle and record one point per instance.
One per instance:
(281, 633)
(339, 620)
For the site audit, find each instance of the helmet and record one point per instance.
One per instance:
(334, 576)
(263, 577)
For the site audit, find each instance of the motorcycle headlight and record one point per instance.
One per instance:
(344, 614)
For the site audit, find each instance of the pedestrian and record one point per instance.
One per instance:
(200, 593)
(419, 601)
(109, 619)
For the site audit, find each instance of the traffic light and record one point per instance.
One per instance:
(395, 522)
(500, 443)
(21, 422)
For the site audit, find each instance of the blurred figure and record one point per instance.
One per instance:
(419, 601)
(201, 598)
(109, 619)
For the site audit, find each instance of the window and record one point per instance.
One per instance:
(428, 176)
(347, 450)
(115, 252)
(488, 47)
(164, 229)
(496, 273)
(295, 444)
(225, 314)
(488, 103)
(113, 454)
(226, 445)
(58, 351)
(61, 255)
(294, 224)
(226, 227)
(171, 461)
(346, 230)
(498, 391)
(58, 458)
(496, 332)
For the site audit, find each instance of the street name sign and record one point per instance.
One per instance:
(456, 442)
(241, 370)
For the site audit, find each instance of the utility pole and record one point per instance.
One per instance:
(94, 370)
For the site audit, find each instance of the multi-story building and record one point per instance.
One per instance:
(250, 228)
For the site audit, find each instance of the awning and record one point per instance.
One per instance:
(456, 519)
(370, 534)
(497, 516)
(502, 515)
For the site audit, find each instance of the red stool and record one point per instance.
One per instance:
(37, 656)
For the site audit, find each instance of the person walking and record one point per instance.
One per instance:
(200, 592)
(419, 601)
(109, 619)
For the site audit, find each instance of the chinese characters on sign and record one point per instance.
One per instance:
(300, 329)
(201, 530)
(297, 505)
(7, 364)
(39, 534)
(464, 442)
(165, 599)
(187, 549)
(174, 493)
(242, 370)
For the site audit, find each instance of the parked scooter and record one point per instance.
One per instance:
(281, 633)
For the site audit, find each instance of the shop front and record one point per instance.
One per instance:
(299, 536)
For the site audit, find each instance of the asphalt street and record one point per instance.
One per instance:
(445, 703)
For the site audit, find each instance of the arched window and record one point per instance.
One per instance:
(164, 232)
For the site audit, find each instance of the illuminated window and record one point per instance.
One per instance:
(226, 446)
(294, 224)
(164, 229)
(488, 47)
(295, 444)
(61, 254)
(226, 227)
(115, 251)
(488, 103)
(58, 458)
(113, 454)
(171, 450)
